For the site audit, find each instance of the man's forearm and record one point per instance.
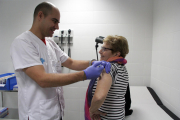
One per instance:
(80, 65)
(58, 79)
(77, 64)
(43, 79)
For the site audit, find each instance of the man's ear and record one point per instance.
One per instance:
(40, 15)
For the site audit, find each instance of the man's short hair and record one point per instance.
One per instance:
(45, 7)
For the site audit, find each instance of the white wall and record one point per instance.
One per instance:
(89, 19)
(165, 78)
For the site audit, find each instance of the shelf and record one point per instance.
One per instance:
(13, 114)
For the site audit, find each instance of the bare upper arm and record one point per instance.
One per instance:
(68, 63)
(36, 73)
(103, 85)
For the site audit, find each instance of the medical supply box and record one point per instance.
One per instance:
(7, 81)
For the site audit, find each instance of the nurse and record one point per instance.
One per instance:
(37, 62)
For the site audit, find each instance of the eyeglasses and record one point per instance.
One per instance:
(105, 49)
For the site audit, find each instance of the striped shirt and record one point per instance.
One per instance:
(114, 104)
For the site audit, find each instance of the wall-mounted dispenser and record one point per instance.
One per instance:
(64, 37)
(69, 39)
(62, 33)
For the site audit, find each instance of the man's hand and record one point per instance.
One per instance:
(107, 65)
(95, 70)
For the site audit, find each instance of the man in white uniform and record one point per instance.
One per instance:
(37, 62)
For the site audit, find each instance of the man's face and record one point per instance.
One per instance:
(50, 23)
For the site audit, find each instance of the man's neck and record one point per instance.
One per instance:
(36, 32)
(44, 41)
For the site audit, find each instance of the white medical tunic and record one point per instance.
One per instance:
(36, 102)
